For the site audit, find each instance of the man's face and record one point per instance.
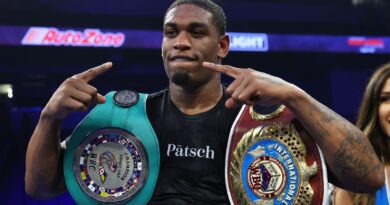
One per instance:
(190, 37)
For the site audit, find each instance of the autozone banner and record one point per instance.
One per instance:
(89, 37)
(52, 36)
(151, 39)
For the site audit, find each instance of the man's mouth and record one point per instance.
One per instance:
(182, 58)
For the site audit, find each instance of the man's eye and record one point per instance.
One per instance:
(170, 33)
(197, 33)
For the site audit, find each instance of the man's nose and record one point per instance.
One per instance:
(183, 41)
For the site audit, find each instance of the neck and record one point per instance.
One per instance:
(196, 101)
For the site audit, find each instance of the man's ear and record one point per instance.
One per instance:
(224, 43)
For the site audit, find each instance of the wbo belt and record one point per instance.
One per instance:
(271, 159)
(113, 154)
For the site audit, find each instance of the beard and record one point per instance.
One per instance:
(183, 79)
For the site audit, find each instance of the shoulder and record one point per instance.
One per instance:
(158, 94)
(155, 102)
(156, 98)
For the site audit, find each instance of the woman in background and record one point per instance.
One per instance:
(374, 121)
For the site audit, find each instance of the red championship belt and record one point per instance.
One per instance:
(271, 159)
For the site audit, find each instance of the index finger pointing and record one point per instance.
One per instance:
(225, 69)
(92, 73)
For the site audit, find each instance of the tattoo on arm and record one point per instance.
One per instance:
(354, 152)
(326, 117)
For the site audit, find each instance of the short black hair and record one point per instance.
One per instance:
(218, 15)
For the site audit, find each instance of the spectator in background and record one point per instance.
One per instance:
(374, 120)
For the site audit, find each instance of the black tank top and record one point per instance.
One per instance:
(192, 151)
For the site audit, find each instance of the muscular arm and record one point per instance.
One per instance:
(348, 153)
(44, 174)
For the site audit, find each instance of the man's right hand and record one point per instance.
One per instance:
(75, 94)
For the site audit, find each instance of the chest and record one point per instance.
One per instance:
(197, 137)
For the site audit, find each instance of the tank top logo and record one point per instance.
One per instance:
(191, 152)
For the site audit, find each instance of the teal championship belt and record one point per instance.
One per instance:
(113, 155)
(271, 159)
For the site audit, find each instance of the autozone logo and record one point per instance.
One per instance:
(87, 38)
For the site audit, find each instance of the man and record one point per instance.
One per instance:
(196, 112)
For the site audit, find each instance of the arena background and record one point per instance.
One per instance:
(29, 74)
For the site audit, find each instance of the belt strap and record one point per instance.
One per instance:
(133, 119)
(266, 164)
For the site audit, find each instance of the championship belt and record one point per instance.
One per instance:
(272, 160)
(113, 154)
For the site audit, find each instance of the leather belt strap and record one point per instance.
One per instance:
(271, 159)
